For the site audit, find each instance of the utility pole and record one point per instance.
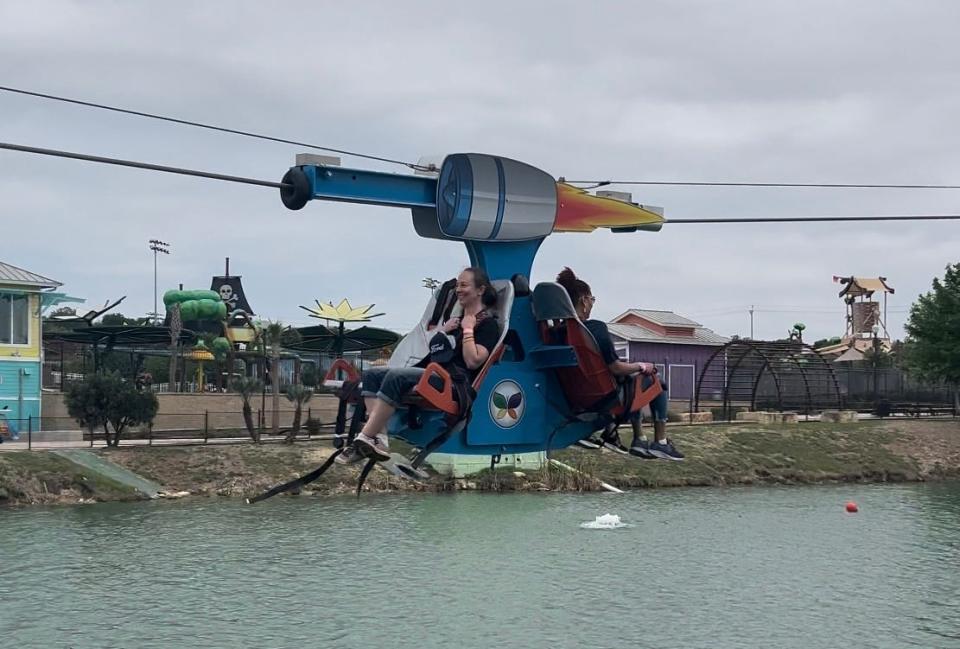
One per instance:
(751, 322)
(157, 246)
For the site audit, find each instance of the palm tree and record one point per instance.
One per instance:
(298, 395)
(176, 326)
(272, 338)
(247, 387)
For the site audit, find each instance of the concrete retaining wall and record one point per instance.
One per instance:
(183, 411)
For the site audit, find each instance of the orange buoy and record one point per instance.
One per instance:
(852, 507)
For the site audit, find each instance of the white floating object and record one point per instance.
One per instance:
(605, 522)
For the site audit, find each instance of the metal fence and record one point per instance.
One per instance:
(184, 428)
(863, 388)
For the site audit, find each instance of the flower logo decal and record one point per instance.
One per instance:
(507, 404)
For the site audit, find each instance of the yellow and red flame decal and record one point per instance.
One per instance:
(580, 211)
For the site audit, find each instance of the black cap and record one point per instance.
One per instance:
(441, 349)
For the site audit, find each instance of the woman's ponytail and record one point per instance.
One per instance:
(489, 297)
(480, 278)
(576, 287)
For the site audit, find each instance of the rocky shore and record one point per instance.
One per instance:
(717, 455)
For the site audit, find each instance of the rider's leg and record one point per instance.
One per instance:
(661, 446)
(636, 423)
(377, 418)
(658, 412)
(372, 380)
(395, 384)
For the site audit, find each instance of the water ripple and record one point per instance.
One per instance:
(744, 567)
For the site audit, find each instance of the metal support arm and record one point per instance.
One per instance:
(317, 182)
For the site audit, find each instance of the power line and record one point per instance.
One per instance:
(268, 183)
(318, 147)
(603, 183)
(820, 219)
(141, 165)
(594, 183)
(211, 127)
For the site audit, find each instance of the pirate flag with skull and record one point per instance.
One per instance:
(231, 292)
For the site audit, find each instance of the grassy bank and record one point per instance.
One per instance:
(716, 455)
(794, 454)
(40, 478)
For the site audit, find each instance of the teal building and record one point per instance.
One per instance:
(23, 295)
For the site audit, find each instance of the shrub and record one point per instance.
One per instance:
(312, 424)
(108, 399)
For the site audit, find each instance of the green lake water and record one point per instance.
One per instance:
(739, 567)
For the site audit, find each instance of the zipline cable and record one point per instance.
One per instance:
(212, 127)
(141, 165)
(269, 183)
(593, 183)
(819, 219)
(603, 183)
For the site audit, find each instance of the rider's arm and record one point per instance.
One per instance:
(478, 342)
(622, 368)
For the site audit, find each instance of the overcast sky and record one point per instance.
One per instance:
(763, 91)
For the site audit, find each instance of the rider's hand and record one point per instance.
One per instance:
(451, 325)
(647, 368)
(469, 321)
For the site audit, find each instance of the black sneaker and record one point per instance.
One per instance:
(641, 448)
(591, 443)
(665, 450)
(349, 456)
(612, 441)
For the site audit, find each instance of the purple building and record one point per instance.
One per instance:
(678, 346)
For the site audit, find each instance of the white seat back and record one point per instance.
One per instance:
(415, 346)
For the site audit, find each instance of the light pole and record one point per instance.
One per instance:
(431, 284)
(157, 246)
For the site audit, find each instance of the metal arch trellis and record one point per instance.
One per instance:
(797, 377)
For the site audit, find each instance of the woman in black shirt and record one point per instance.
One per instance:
(472, 337)
(583, 301)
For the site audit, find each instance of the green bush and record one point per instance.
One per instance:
(308, 376)
(105, 399)
(312, 424)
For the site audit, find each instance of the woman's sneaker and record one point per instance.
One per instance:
(665, 450)
(375, 448)
(611, 440)
(591, 443)
(349, 456)
(641, 448)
